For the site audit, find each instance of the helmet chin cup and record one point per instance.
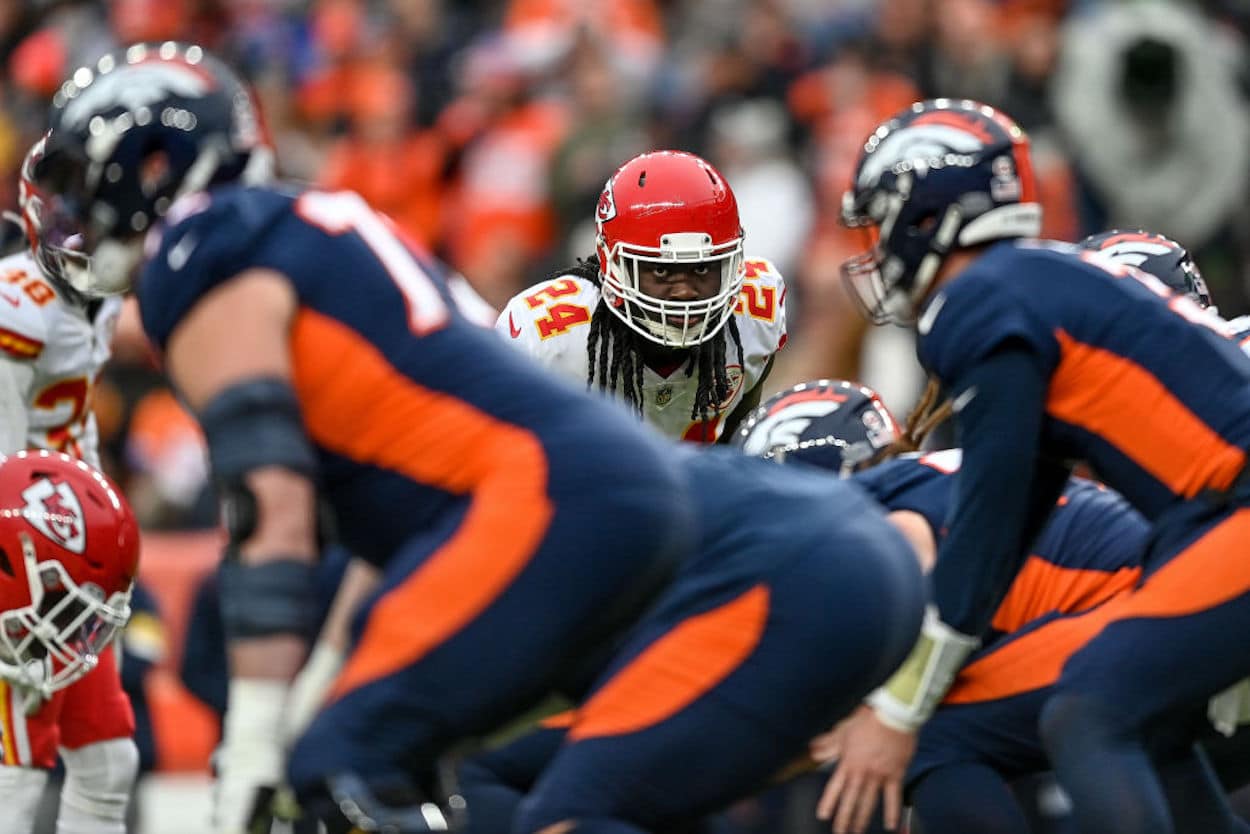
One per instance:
(109, 271)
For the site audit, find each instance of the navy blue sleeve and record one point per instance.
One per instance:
(1003, 492)
(980, 311)
(209, 240)
(907, 484)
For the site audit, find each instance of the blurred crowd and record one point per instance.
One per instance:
(486, 129)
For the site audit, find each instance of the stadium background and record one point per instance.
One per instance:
(486, 128)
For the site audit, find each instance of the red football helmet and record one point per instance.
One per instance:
(669, 206)
(52, 242)
(69, 549)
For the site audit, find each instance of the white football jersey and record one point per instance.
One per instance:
(39, 326)
(550, 321)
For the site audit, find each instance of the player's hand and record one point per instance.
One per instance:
(250, 760)
(871, 759)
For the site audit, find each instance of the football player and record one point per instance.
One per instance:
(522, 525)
(984, 733)
(54, 339)
(69, 549)
(669, 316)
(1052, 354)
(1157, 254)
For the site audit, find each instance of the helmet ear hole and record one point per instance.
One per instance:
(5, 565)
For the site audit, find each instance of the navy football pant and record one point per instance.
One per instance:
(723, 685)
(1155, 653)
(473, 645)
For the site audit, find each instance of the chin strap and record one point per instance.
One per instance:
(908, 698)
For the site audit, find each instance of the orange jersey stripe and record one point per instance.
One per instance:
(676, 669)
(1042, 587)
(358, 405)
(16, 344)
(1209, 572)
(1124, 404)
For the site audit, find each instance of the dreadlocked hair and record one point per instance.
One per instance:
(928, 414)
(614, 355)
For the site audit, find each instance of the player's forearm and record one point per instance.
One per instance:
(1002, 402)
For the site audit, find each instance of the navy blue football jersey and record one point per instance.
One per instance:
(1143, 384)
(1092, 546)
(412, 407)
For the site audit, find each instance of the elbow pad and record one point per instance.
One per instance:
(256, 423)
(908, 698)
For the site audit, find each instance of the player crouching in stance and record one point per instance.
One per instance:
(716, 690)
(669, 316)
(1053, 355)
(54, 340)
(984, 733)
(69, 551)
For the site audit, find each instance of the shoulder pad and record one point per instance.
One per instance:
(23, 295)
(549, 310)
(209, 239)
(980, 310)
(762, 305)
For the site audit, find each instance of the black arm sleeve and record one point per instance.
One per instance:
(749, 401)
(1004, 492)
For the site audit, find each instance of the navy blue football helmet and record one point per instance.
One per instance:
(940, 176)
(833, 424)
(1151, 252)
(129, 136)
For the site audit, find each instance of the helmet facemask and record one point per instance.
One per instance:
(668, 322)
(891, 278)
(58, 638)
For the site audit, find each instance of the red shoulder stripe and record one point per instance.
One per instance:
(15, 344)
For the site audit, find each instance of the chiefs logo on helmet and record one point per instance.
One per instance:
(607, 204)
(54, 510)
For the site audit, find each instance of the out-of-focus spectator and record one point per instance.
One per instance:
(1147, 96)
(968, 59)
(168, 483)
(838, 104)
(748, 144)
(399, 170)
(428, 34)
(504, 219)
(604, 132)
(544, 32)
(1032, 36)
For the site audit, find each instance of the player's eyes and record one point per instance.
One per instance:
(701, 270)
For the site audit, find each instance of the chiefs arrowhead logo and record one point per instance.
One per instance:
(512, 328)
(607, 205)
(54, 510)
